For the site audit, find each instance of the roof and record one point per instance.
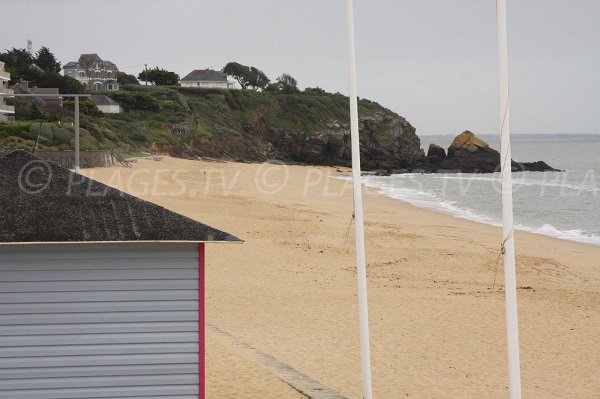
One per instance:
(71, 64)
(207, 75)
(103, 100)
(41, 202)
(88, 60)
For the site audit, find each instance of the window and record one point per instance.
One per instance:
(82, 74)
(109, 74)
(109, 87)
(97, 74)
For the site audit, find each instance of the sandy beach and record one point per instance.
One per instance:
(437, 325)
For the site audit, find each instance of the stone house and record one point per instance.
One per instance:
(93, 73)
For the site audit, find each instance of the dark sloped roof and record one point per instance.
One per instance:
(110, 65)
(103, 100)
(71, 64)
(42, 202)
(205, 75)
(88, 60)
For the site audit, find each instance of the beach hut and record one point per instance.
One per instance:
(101, 293)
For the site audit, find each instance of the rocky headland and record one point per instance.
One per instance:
(309, 127)
(470, 154)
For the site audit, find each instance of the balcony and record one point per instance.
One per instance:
(6, 90)
(4, 75)
(7, 109)
(6, 118)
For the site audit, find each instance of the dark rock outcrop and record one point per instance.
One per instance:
(537, 166)
(435, 153)
(387, 142)
(470, 154)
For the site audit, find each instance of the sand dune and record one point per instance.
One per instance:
(437, 326)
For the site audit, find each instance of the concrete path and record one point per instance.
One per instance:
(300, 382)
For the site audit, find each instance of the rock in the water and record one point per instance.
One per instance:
(467, 141)
(470, 154)
(382, 172)
(537, 166)
(435, 153)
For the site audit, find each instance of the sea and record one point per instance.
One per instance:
(563, 204)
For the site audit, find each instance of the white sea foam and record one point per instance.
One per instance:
(428, 200)
(552, 181)
(424, 199)
(572, 235)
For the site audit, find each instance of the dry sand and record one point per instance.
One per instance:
(437, 327)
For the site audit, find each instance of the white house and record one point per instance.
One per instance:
(6, 111)
(106, 104)
(207, 79)
(101, 293)
(93, 73)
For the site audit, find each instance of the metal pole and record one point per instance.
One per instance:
(77, 170)
(361, 269)
(508, 242)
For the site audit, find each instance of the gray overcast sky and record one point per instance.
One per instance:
(432, 61)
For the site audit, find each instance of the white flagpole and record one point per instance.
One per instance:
(508, 242)
(361, 269)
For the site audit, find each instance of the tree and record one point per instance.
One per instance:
(136, 101)
(86, 107)
(18, 63)
(285, 84)
(159, 77)
(246, 76)
(289, 85)
(239, 72)
(126, 79)
(258, 79)
(315, 91)
(47, 61)
(42, 70)
(65, 84)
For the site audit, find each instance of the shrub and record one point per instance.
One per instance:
(136, 101)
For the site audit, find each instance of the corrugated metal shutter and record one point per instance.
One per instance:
(99, 321)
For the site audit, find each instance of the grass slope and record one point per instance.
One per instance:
(206, 112)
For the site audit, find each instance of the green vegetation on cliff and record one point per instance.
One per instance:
(205, 112)
(240, 124)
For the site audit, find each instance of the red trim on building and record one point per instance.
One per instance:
(201, 322)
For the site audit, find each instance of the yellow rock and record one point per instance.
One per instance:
(468, 141)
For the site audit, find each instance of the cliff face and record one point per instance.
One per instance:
(386, 142)
(317, 135)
